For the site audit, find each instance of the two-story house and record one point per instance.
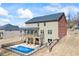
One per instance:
(45, 29)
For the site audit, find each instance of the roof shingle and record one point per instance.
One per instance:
(46, 18)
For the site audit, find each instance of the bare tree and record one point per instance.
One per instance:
(77, 18)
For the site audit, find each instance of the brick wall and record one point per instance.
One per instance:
(62, 27)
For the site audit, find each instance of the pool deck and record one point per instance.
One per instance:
(26, 45)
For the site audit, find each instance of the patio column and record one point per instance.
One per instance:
(34, 41)
(39, 42)
(21, 35)
(26, 40)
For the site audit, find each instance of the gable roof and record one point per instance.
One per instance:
(46, 18)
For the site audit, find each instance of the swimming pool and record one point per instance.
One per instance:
(21, 49)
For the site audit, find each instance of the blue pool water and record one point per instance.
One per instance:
(22, 49)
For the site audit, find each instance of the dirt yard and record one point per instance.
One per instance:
(68, 46)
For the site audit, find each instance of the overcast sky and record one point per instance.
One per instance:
(19, 13)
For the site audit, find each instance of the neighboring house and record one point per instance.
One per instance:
(45, 29)
(9, 31)
(1, 34)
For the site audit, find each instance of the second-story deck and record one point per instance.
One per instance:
(31, 35)
(30, 31)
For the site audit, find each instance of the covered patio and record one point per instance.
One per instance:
(31, 36)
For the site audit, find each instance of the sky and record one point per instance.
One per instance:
(18, 13)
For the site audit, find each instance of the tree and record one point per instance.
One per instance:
(71, 21)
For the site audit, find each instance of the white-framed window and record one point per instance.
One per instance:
(42, 31)
(30, 32)
(44, 23)
(38, 24)
(49, 31)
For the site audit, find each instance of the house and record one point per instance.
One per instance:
(9, 31)
(1, 34)
(45, 29)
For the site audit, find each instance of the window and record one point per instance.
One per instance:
(44, 23)
(28, 32)
(25, 32)
(36, 31)
(49, 40)
(42, 31)
(31, 32)
(49, 31)
(38, 24)
(78, 24)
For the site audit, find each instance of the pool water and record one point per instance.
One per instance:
(22, 49)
